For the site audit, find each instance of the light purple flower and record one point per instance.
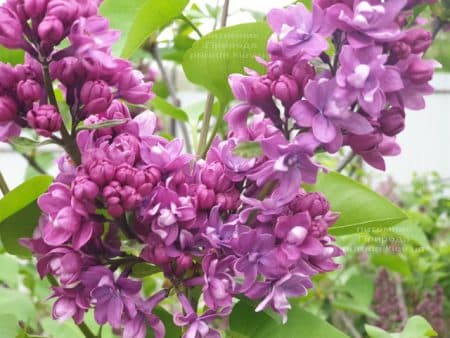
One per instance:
(299, 32)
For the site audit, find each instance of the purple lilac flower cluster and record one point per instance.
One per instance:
(89, 77)
(229, 225)
(354, 96)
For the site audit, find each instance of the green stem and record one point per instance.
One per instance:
(190, 23)
(346, 161)
(3, 186)
(203, 145)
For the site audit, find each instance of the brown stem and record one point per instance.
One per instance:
(32, 162)
(69, 142)
(401, 300)
(348, 323)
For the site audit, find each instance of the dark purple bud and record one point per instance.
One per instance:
(51, 30)
(132, 88)
(125, 174)
(29, 91)
(45, 119)
(35, 8)
(286, 89)
(8, 109)
(228, 201)
(315, 203)
(184, 262)
(96, 96)
(275, 70)
(418, 39)
(8, 78)
(392, 121)
(68, 70)
(101, 172)
(421, 71)
(400, 50)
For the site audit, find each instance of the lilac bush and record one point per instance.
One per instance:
(230, 225)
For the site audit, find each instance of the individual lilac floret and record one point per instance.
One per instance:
(45, 119)
(299, 32)
(367, 21)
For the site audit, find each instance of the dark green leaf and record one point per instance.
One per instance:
(301, 324)
(105, 124)
(142, 270)
(249, 149)
(168, 109)
(152, 15)
(19, 213)
(226, 51)
(360, 208)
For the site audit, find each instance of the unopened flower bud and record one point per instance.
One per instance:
(35, 8)
(418, 39)
(68, 70)
(11, 33)
(96, 96)
(285, 89)
(51, 30)
(400, 50)
(206, 198)
(314, 203)
(65, 11)
(302, 73)
(421, 71)
(101, 172)
(45, 119)
(29, 91)
(392, 121)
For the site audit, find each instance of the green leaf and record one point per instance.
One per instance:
(120, 15)
(64, 110)
(11, 56)
(418, 327)
(10, 270)
(56, 329)
(301, 324)
(105, 124)
(19, 305)
(411, 231)
(26, 145)
(360, 208)
(152, 15)
(19, 213)
(166, 108)
(249, 149)
(392, 262)
(142, 270)
(226, 51)
(9, 327)
(376, 332)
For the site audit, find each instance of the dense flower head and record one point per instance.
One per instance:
(232, 224)
(89, 77)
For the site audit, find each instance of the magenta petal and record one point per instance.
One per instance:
(303, 113)
(82, 236)
(323, 129)
(115, 310)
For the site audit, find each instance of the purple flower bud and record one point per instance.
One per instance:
(8, 78)
(286, 89)
(229, 200)
(418, 39)
(65, 11)
(421, 71)
(184, 262)
(11, 34)
(275, 69)
(68, 70)
(206, 198)
(29, 91)
(96, 96)
(314, 203)
(213, 176)
(51, 30)
(400, 50)
(101, 172)
(8, 109)
(35, 8)
(124, 149)
(303, 72)
(45, 119)
(392, 121)
(83, 188)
